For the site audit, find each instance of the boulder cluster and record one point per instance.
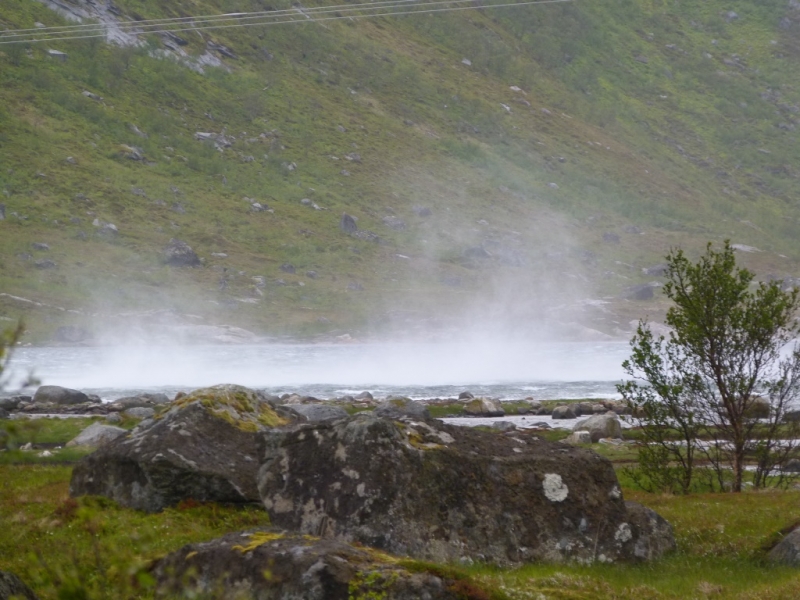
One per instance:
(344, 493)
(347, 493)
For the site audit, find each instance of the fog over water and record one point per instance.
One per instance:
(505, 370)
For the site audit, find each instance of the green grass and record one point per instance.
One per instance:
(63, 547)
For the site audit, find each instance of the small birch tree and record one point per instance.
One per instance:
(723, 374)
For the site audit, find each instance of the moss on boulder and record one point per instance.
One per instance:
(202, 447)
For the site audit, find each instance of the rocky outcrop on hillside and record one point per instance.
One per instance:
(233, 566)
(443, 493)
(202, 448)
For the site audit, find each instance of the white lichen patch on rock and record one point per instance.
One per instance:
(351, 473)
(341, 453)
(615, 493)
(623, 533)
(555, 489)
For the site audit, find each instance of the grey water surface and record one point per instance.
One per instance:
(507, 371)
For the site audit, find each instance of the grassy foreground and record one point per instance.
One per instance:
(92, 548)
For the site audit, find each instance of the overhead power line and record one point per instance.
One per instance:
(264, 18)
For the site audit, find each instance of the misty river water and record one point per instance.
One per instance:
(504, 370)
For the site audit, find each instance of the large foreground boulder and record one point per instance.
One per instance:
(444, 493)
(203, 448)
(268, 565)
(12, 586)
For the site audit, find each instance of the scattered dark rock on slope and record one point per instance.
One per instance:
(204, 448)
(300, 567)
(444, 493)
(180, 254)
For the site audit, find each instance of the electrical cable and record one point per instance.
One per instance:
(211, 22)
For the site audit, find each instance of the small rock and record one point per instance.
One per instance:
(287, 268)
(421, 211)
(466, 61)
(396, 407)
(140, 412)
(58, 55)
(394, 223)
(600, 426)
(40, 246)
(319, 412)
(54, 394)
(465, 396)
(92, 96)
(180, 254)
(504, 426)
(484, 407)
(640, 292)
(311, 274)
(138, 131)
(611, 238)
(578, 437)
(659, 270)
(348, 224)
(113, 417)
(96, 435)
(563, 411)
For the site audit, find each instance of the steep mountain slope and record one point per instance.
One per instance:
(520, 166)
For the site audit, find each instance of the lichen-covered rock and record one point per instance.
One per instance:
(96, 435)
(601, 426)
(141, 401)
(653, 534)
(55, 394)
(787, 551)
(180, 254)
(578, 437)
(398, 407)
(140, 412)
(318, 412)
(444, 493)
(12, 586)
(273, 566)
(564, 411)
(203, 447)
(484, 407)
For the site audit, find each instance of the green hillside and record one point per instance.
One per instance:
(559, 149)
